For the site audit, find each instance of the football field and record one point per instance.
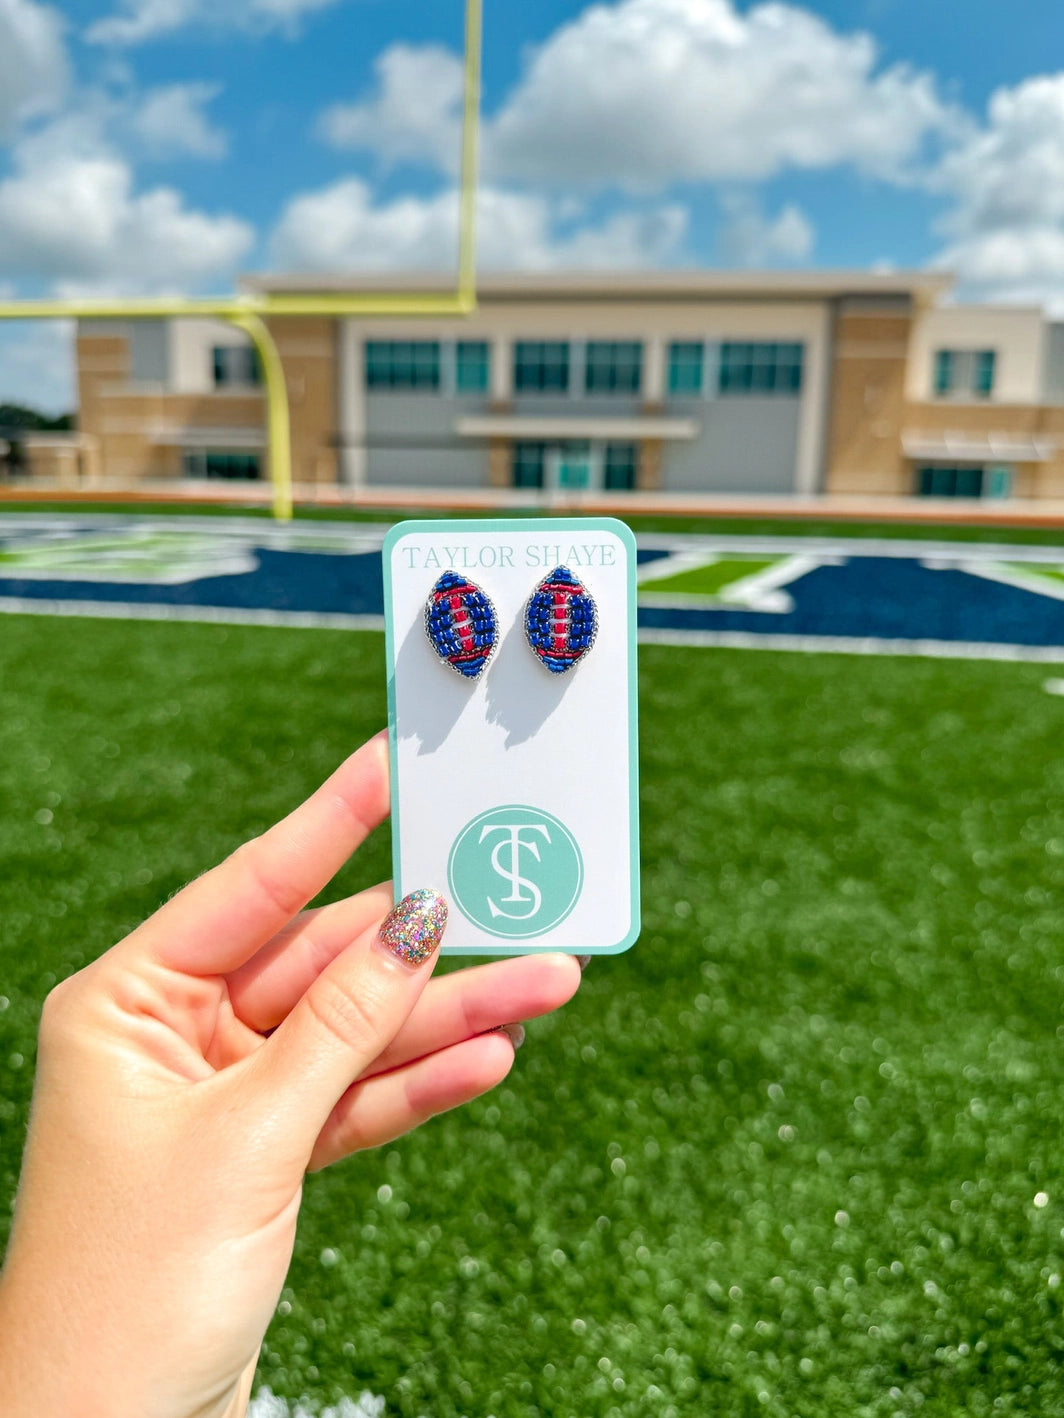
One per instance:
(796, 1153)
(862, 590)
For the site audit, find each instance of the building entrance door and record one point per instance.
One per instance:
(572, 468)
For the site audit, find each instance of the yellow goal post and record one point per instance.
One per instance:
(250, 311)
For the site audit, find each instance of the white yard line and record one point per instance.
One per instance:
(370, 536)
(853, 645)
(760, 591)
(721, 544)
(763, 591)
(343, 536)
(1005, 576)
(210, 615)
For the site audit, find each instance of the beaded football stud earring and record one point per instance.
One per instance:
(561, 621)
(461, 624)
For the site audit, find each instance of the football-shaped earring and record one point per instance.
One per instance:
(561, 621)
(461, 624)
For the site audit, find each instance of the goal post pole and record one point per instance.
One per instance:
(250, 312)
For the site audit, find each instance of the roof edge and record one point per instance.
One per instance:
(822, 284)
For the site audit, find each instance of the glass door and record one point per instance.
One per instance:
(572, 467)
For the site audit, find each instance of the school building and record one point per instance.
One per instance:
(679, 382)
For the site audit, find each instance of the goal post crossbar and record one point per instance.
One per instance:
(250, 311)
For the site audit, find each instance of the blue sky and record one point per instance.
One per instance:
(151, 145)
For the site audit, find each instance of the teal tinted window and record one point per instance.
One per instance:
(613, 367)
(943, 372)
(235, 365)
(472, 366)
(528, 460)
(403, 364)
(966, 374)
(541, 366)
(941, 481)
(685, 366)
(760, 367)
(621, 467)
(984, 373)
(227, 467)
(999, 481)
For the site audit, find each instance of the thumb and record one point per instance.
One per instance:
(349, 1015)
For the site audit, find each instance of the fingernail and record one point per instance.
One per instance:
(582, 960)
(414, 928)
(514, 1032)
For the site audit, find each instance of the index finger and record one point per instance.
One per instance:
(219, 920)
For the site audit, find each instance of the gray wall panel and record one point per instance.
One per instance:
(411, 441)
(148, 351)
(1054, 352)
(747, 444)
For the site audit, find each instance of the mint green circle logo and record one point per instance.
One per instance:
(515, 872)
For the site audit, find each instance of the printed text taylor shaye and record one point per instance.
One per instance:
(545, 555)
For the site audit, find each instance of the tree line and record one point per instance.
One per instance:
(18, 418)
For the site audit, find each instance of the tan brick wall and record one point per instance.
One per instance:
(1048, 478)
(132, 427)
(308, 350)
(101, 361)
(124, 421)
(55, 462)
(868, 403)
(1041, 422)
(648, 472)
(870, 413)
(500, 462)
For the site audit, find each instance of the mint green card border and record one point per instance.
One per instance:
(523, 524)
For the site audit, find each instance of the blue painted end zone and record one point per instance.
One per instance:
(889, 599)
(862, 599)
(282, 581)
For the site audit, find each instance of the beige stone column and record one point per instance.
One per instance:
(654, 370)
(351, 405)
(648, 472)
(501, 373)
(500, 458)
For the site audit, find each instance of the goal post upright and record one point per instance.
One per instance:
(250, 312)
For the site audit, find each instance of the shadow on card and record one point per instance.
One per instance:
(429, 718)
(522, 695)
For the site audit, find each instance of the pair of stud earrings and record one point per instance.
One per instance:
(560, 619)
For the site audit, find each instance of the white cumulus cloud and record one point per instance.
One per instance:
(415, 113)
(71, 216)
(33, 60)
(750, 238)
(1004, 230)
(647, 92)
(138, 21)
(641, 94)
(342, 228)
(172, 121)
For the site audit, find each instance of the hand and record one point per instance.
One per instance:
(188, 1079)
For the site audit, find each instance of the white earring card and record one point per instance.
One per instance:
(512, 726)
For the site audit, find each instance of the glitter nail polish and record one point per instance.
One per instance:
(514, 1032)
(414, 927)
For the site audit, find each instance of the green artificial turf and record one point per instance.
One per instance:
(1053, 573)
(710, 580)
(796, 1153)
(800, 525)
